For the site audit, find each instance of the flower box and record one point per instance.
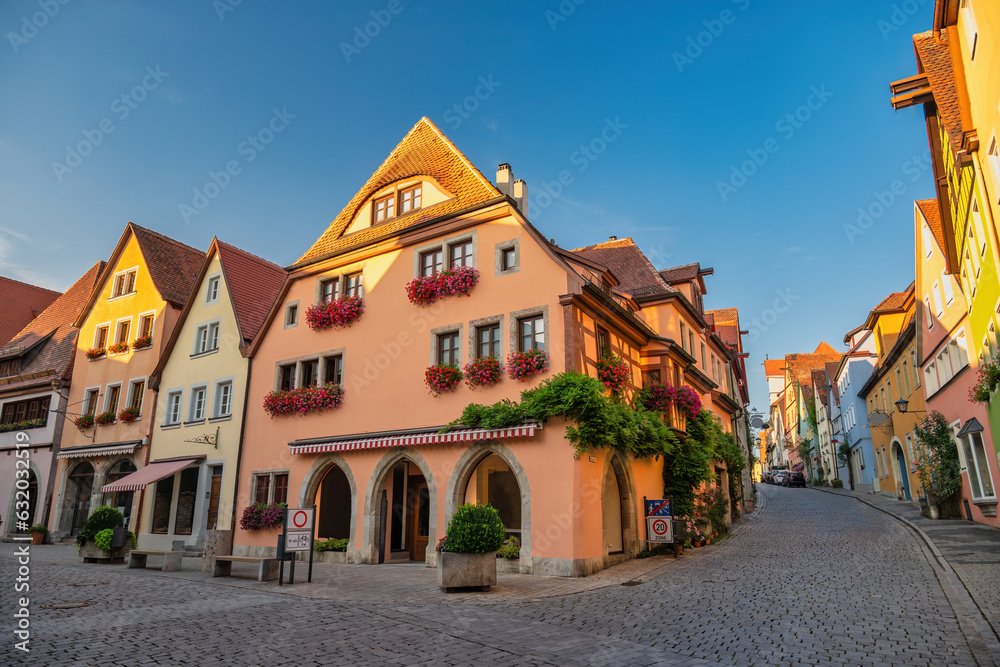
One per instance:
(105, 418)
(422, 291)
(442, 378)
(118, 348)
(450, 282)
(483, 372)
(84, 421)
(342, 312)
(658, 397)
(303, 400)
(261, 516)
(95, 353)
(522, 365)
(128, 415)
(688, 401)
(142, 342)
(614, 373)
(23, 425)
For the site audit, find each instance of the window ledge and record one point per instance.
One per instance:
(195, 422)
(987, 506)
(196, 355)
(221, 418)
(122, 296)
(167, 427)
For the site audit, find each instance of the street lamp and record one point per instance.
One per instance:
(901, 405)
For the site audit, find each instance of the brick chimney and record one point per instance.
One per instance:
(505, 179)
(521, 194)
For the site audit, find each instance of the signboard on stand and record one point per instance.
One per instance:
(297, 534)
(659, 520)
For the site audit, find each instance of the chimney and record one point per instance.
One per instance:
(612, 238)
(521, 194)
(505, 178)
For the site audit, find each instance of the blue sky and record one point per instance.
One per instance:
(116, 111)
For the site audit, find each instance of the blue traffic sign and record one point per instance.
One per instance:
(658, 508)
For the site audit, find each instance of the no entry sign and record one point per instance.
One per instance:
(300, 519)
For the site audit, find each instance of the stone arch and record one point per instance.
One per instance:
(622, 469)
(372, 525)
(462, 474)
(64, 521)
(314, 478)
(101, 471)
(899, 464)
(12, 504)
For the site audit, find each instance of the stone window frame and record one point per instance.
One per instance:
(209, 279)
(462, 348)
(474, 342)
(499, 248)
(170, 393)
(320, 359)
(298, 314)
(445, 246)
(517, 315)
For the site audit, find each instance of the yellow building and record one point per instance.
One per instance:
(895, 396)
(123, 329)
(189, 485)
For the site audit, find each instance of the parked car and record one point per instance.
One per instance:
(779, 477)
(795, 479)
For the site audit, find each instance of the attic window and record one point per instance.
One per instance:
(10, 367)
(409, 199)
(383, 208)
(124, 283)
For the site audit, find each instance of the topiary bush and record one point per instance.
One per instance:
(475, 529)
(837, 484)
(103, 518)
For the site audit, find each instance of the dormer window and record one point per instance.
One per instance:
(10, 367)
(383, 208)
(124, 283)
(212, 289)
(409, 199)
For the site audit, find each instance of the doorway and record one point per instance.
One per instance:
(612, 509)
(213, 498)
(901, 463)
(404, 535)
(79, 486)
(334, 520)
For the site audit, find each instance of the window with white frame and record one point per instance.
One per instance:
(930, 378)
(136, 389)
(915, 367)
(993, 158)
(928, 239)
(123, 283)
(90, 401)
(212, 289)
(196, 407)
(938, 303)
(977, 465)
(223, 406)
(971, 254)
(206, 338)
(929, 311)
(111, 397)
(971, 29)
(172, 413)
(122, 329)
(101, 336)
(909, 445)
(949, 292)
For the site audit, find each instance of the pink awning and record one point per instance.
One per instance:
(154, 472)
(415, 439)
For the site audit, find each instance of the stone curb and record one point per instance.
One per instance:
(987, 649)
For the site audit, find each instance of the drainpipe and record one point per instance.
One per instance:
(239, 451)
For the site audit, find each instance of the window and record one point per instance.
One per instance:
(691, 342)
(899, 382)
(334, 369)
(488, 341)
(206, 338)
(223, 399)
(329, 290)
(409, 199)
(212, 289)
(310, 373)
(383, 208)
(704, 364)
(292, 315)
(977, 221)
(909, 445)
(173, 412)
(286, 377)
(977, 464)
(888, 395)
(270, 487)
(33, 408)
(121, 331)
(959, 351)
(447, 349)
(905, 383)
(145, 326)
(101, 337)
(90, 402)
(111, 399)
(949, 292)
(683, 336)
(124, 283)
(989, 343)
(460, 254)
(9, 367)
(531, 333)
(938, 304)
(993, 158)
(971, 254)
(930, 378)
(508, 258)
(186, 494)
(354, 285)
(135, 392)
(431, 262)
(196, 413)
(928, 239)
(915, 367)
(603, 342)
(971, 31)
(160, 521)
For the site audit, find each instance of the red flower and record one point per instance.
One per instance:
(428, 289)
(442, 378)
(128, 415)
(342, 312)
(522, 365)
(614, 373)
(96, 353)
(688, 401)
(483, 372)
(313, 398)
(142, 342)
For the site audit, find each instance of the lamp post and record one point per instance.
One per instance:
(902, 405)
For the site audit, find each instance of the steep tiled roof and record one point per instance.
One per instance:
(636, 275)
(729, 334)
(892, 303)
(424, 151)
(680, 273)
(21, 304)
(57, 353)
(831, 370)
(801, 365)
(254, 284)
(934, 59)
(725, 315)
(931, 212)
(172, 265)
(824, 348)
(774, 366)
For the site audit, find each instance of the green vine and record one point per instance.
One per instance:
(938, 462)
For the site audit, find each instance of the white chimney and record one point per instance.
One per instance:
(505, 179)
(521, 194)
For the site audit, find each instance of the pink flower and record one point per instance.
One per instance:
(428, 289)
(442, 378)
(483, 372)
(522, 365)
(614, 372)
(303, 400)
(342, 312)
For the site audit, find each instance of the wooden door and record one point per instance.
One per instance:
(419, 507)
(213, 500)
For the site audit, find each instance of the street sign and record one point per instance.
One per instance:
(298, 534)
(298, 540)
(660, 528)
(299, 519)
(658, 508)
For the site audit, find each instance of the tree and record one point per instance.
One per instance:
(938, 464)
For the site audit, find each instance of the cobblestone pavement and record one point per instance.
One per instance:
(810, 578)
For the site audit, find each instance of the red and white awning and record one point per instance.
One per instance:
(99, 450)
(416, 439)
(154, 472)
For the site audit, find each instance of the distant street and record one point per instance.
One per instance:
(811, 578)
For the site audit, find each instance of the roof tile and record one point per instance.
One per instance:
(254, 284)
(934, 59)
(21, 304)
(636, 275)
(172, 265)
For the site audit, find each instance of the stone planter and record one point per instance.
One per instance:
(508, 566)
(456, 570)
(91, 553)
(339, 557)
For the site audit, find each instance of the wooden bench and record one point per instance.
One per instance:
(171, 559)
(222, 566)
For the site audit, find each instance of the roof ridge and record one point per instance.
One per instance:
(250, 254)
(38, 287)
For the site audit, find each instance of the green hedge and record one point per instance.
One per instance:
(475, 529)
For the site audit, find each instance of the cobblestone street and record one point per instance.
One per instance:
(813, 578)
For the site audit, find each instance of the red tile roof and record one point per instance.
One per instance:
(636, 275)
(729, 334)
(423, 151)
(831, 370)
(774, 366)
(892, 303)
(55, 358)
(932, 213)
(172, 265)
(725, 315)
(934, 59)
(21, 304)
(680, 273)
(825, 348)
(254, 284)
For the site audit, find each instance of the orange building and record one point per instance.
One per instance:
(377, 466)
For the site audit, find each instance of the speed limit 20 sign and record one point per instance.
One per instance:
(660, 528)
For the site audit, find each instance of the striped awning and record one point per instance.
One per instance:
(415, 439)
(99, 450)
(154, 472)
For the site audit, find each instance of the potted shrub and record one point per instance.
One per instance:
(38, 533)
(103, 519)
(330, 551)
(467, 553)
